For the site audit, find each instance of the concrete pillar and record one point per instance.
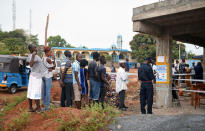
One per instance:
(163, 91)
(203, 62)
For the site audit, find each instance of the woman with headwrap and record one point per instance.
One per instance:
(47, 78)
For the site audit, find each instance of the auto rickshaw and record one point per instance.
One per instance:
(13, 72)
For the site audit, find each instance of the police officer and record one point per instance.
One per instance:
(145, 76)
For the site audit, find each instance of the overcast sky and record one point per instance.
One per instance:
(91, 23)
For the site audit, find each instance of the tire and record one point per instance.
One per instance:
(13, 89)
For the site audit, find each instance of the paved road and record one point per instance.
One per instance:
(160, 123)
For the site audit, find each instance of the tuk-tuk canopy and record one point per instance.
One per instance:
(10, 64)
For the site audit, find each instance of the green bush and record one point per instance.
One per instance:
(20, 122)
(94, 118)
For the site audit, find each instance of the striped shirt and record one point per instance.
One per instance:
(68, 75)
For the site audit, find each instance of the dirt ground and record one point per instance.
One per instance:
(39, 122)
(6, 97)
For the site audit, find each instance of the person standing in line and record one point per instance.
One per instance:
(121, 84)
(84, 80)
(35, 78)
(199, 71)
(127, 65)
(93, 77)
(192, 71)
(182, 69)
(146, 76)
(76, 81)
(67, 81)
(47, 78)
(103, 80)
(176, 72)
(113, 71)
(174, 93)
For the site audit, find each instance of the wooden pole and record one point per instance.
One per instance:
(46, 30)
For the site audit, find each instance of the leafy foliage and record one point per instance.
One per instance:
(95, 118)
(20, 122)
(33, 39)
(57, 41)
(16, 42)
(144, 45)
(190, 55)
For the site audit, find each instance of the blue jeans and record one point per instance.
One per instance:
(46, 92)
(94, 89)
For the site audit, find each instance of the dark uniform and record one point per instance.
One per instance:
(145, 75)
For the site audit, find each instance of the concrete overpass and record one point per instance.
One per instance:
(181, 20)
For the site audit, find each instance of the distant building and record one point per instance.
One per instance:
(119, 41)
(115, 53)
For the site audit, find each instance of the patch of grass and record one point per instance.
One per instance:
(94, 118)
(50, 113)
(10, 106)
(20, 122)
(16, 101)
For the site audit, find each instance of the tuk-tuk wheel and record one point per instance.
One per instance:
(13, 89)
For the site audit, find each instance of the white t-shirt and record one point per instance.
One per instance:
(48, 74)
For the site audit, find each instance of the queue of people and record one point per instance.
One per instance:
(74, 78)
(193, 72)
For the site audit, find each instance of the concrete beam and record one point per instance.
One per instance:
(147, 28)
(166, 7)
(192, 28)
(190, 39)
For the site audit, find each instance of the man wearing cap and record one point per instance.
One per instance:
(146, 77)
(121, 84)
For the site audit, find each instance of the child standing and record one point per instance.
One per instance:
(84, 81)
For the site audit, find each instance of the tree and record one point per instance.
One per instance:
(57, 41)
(85, 47)
(16, 41)
(4, 50)
(33, 39)
(175, 50)
(144, 45)
(190, 55)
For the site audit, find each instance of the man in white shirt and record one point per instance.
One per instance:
(121, 84)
